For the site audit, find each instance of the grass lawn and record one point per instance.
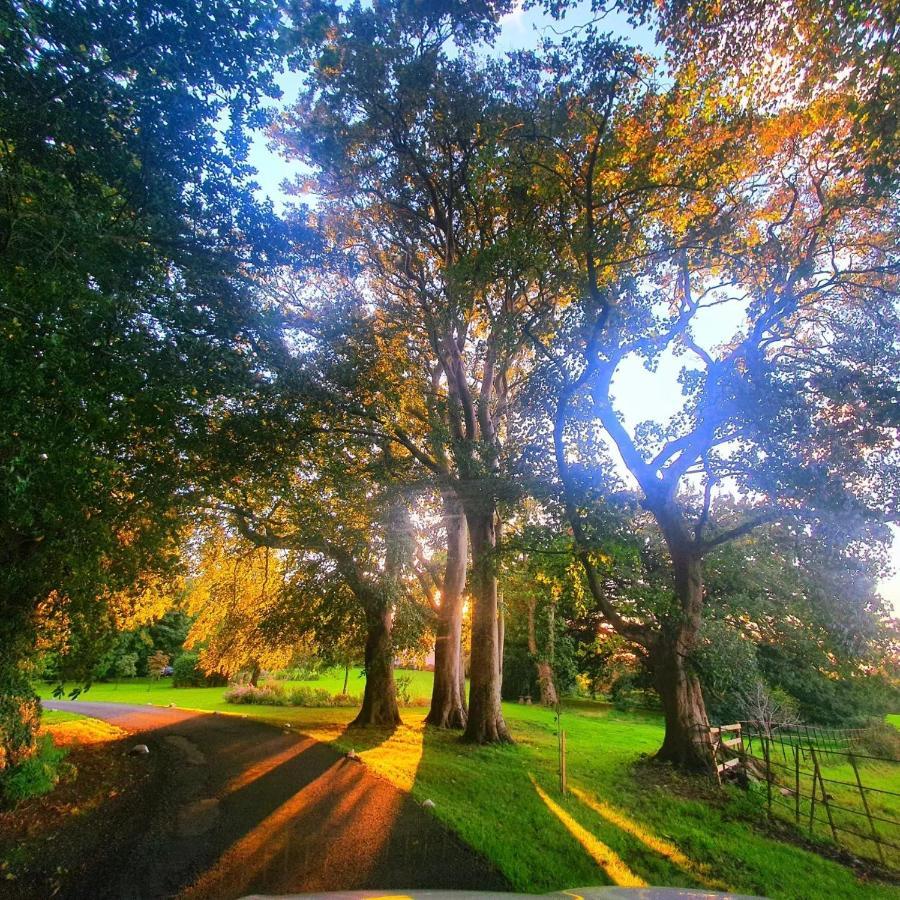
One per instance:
(893, 719)
(620, 823)
(161, 692)
(58, 716)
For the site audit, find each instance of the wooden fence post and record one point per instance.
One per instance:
(862, 794)
(818, 772)
(812, 804)
(562, 762)
(797, 786)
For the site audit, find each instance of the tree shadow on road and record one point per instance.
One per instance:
(223, 807)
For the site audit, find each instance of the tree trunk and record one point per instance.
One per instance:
(687, 742)
(544, 670)
(379, 706)
(485, 723)
(501, 640)
(448, 698)
(346, 679)
(254, 674)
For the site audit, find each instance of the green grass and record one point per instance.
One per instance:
(845, 805)
(57, 716)
(663, 829)
(893, 719)
(161, 692)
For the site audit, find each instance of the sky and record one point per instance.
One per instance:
(641, 394)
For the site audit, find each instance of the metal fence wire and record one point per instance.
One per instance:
(819, 779)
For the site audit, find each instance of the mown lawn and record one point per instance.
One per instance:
(58, 716)
(161, 692)
(620, 823)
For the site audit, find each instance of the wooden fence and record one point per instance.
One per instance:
(819, 780)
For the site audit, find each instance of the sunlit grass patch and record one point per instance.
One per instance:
(68, 729)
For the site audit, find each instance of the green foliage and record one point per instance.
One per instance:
(632, 690)
(272, 693)
(401, 684)
(519, 672)
(19, 707)
(186, 672)
(128, 232)
(726, 664)
(125, 666)
(880, 739)
(308, 671)
(849, 701)
(37, 774)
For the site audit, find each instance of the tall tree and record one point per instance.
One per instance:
(233, 594)
(682, 201)
(405, 136)
(789, 52)
(127, 229)
(340, 517)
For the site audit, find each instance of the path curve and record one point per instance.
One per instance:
(235, 806)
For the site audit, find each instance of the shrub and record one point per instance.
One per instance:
(346, 700)
(186, 672)
(402, 683)
(273, 694)
(36, 775)
(300, 673)
(268, 694)
(630, 691)
(881, 740)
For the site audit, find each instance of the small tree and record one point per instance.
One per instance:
(769, 709)
(125, 666)
(156, 665)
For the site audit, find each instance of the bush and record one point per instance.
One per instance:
(300, 673)
(725, 663)
(630, 691)
(402, 683)
(881, 740)
(268, 694)
(36, 775)
(186, 672)
(273, 694)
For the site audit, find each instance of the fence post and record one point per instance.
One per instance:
(797, 786)
(766, 752)
(562, 762)
(818, 772)
(812, 805)
(862, 793)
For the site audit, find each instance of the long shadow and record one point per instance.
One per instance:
(366, 737)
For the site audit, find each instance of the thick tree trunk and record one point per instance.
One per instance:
(687, 742)
(544, 671)
(379, 706)
(254, 674)
(485, 724)
(448, 698)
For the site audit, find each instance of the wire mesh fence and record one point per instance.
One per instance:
(820, 779)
